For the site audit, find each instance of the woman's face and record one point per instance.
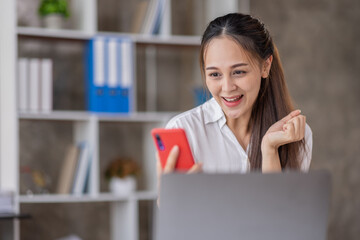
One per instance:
(231, 77)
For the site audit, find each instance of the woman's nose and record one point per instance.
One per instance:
(228, 84)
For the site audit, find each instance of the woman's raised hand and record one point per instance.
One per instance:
(287, 130)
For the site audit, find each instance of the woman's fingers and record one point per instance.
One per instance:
(171, 160)
(289, 133)
(291, 115)
(195, 169)
(158, 163)
(159, 172)
(158, 168)
(295, 128)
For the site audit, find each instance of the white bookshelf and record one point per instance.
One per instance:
(124, 212)
(124, 209)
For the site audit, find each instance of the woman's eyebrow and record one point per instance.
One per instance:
(239, 65)
(211, 68)
(233, 66)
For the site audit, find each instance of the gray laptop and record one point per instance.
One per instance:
(244, 206)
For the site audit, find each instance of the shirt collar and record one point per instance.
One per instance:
(214, 113)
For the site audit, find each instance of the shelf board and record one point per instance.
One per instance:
(102, 197)
(137, 38)
(103, 117)
(137, 117)
(56, 115)
(53, 33)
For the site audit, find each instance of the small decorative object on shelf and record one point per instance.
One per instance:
(121, 174)
(33, 181)
(53, 12)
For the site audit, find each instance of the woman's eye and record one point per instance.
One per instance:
(239, 72)
(215, 74)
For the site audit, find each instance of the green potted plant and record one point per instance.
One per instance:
(121, 175)
(53, 12)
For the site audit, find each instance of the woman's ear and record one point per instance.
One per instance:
(266, 67)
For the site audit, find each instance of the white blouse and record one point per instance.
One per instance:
(213, 143)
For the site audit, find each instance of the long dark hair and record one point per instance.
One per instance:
(273, 101)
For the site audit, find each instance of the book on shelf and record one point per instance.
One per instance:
(74, 177)
(126, 79)
(110, 74)
(159, 18)
(154, 16)
(46, 85)
(23, 84)
(67, 171)
(35, 80)
(82, 172)
(113, 64)
(139, 16)
(96, 74)
(34, 85)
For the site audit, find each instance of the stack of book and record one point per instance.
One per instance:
(35, 80)
(75, 171)
(110, 74)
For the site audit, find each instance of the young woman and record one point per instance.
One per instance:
(250, 123)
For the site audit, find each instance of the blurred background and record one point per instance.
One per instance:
(318, 41)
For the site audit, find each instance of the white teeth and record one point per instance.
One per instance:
(233, 99)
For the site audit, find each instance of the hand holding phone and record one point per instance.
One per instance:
(166, 139)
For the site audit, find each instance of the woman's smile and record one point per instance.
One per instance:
(232, 101)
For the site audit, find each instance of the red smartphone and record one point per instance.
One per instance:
(165, 139)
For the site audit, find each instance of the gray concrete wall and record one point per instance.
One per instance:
(319, 46)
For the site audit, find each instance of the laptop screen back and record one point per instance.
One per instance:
(250, 206)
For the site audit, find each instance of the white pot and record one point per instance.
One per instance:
(122, 186)
(53, 21)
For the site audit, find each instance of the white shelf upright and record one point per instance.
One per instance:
(8, 115)
(88, 132)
